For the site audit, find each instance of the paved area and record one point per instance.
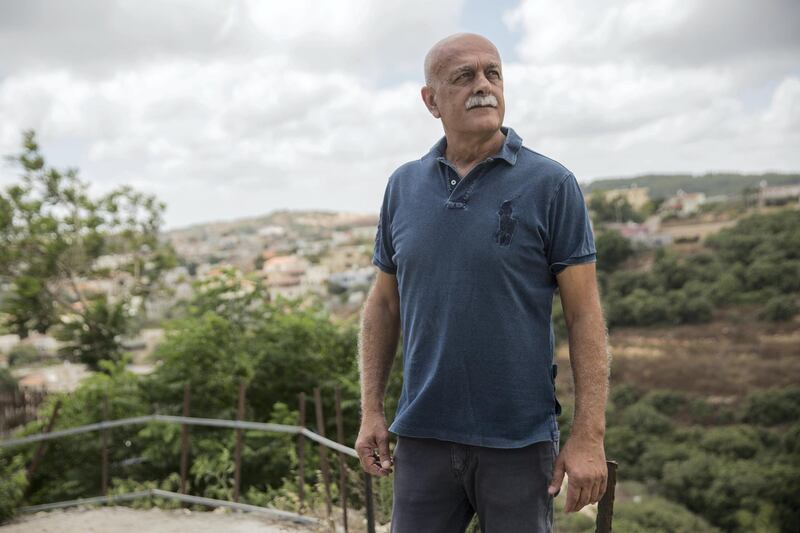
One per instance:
(124, 520)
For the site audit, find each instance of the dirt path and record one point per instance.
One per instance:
(124, 520)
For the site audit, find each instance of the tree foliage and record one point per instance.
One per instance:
(52, 234)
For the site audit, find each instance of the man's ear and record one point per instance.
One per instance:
(429, 98)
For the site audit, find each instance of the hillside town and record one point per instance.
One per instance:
(327, 256)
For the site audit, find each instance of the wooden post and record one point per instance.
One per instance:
(368, 498)
(605, 509)
(301, 450)
(104, 451)
(237, 472)
(3, 401)
(342, 463)
(40, 448)
(323, 456)
(187, 394)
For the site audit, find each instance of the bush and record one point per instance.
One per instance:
(13, 482)
(23, 354)
(624, 395)
(667, 402)
(736, 442)
(7, 381)
(657, 515)
(612, 250)
(780, 308)
(646, 419)
(772, 406)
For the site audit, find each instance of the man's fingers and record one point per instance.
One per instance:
(558, 477)
(595, 492)
(385, 457)
(573, 497)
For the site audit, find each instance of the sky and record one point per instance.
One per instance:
(235, 108)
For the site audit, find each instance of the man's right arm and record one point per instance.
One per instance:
(380, 331)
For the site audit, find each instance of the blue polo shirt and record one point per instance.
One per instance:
(475, 260)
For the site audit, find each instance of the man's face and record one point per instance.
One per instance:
(466, 91)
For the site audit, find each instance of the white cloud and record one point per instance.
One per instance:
(625, 87)
(228, 109)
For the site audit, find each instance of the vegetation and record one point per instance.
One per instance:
(661, 186)
(688, 462)
(52, 233)
(756, 262)
(614, 210)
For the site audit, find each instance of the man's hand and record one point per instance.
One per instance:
(372, 446)
(584, 461)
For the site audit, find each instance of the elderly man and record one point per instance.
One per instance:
(472, 242)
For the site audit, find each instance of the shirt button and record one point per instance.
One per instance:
(452, 182)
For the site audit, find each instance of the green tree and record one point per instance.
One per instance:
(52, 234)
(612, 250)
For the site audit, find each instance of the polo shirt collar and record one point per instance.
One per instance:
(508, 152)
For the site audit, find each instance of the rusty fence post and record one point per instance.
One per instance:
(187, 396)
(342, 463)
(369, 502)
(605, 509)
(237, 472)
(323, 455)
(40, 448)
(104, 450)
(301, 450)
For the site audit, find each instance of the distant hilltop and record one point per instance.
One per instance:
(308, 220)
(711, 184)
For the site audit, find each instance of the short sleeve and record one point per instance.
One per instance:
(384, 251)
(570, 235)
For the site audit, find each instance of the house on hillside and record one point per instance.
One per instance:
(683, 204)
(637, 197)
(778, 195)
(640, 234)
(284, 275)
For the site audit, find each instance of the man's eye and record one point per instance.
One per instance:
(494, 74)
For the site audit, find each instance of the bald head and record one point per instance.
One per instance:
(439, 54)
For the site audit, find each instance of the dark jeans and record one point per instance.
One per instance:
(439, 485)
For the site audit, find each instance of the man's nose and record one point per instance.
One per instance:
(482, 85)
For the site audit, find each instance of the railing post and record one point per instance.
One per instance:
(323, 455)
(605, 509)
(301, 450)
(369, 504)
(187, 395)
(342, 463)
(104, 450)
(237, 472)
(39, 453)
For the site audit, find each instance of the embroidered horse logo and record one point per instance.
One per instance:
(507, 224)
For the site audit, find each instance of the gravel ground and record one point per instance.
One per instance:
(124, 520)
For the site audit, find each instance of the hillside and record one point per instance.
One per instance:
(712, 184)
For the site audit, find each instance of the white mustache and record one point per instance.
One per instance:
(478, 100)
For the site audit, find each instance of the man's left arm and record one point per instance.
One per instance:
(582, 457)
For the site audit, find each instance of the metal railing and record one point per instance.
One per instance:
(185, 421)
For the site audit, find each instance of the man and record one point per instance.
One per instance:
(472, 242)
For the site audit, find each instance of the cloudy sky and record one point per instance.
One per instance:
(225, 109)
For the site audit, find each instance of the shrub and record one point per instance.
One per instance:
(23, 354)
(646, 419)
(7, 381)
(624, 395)
(657, 515)
(739, 442)
(772, 406)
(667, 402)
(13, 482)
(781, 308)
